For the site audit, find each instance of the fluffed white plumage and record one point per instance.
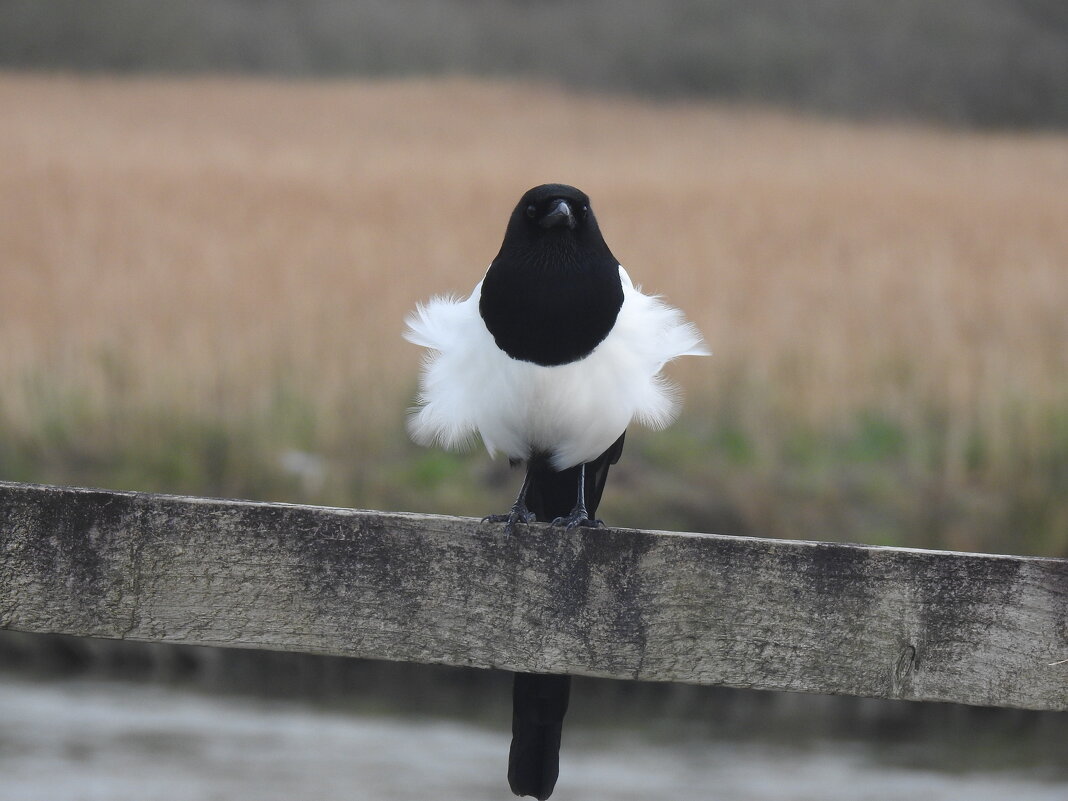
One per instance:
(573, 412)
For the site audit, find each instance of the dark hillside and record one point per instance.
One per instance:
(1001, 63)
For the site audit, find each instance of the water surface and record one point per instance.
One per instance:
(79, 739)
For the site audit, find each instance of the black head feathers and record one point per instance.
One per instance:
(553, 292)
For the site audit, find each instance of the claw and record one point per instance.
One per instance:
(519, 512)
(577, 519)
(517, 515)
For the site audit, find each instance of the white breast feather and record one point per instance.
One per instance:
(574, 411)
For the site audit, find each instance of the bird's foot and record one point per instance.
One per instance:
(519, 514)
(577, 519)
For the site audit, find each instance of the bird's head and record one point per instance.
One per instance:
(552, 209)
(554, 214)
(553, 206)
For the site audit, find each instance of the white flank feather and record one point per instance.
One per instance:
(573, 411)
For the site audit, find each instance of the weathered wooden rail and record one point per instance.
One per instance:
(736, 611)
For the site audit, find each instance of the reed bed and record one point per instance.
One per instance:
(203, 284)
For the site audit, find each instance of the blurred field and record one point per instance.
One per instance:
(203, 283)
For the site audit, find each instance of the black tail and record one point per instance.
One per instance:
(539, 701)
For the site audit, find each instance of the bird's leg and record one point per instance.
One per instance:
(579, 516)
(519, 512)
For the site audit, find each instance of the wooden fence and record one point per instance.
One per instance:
(652, 605)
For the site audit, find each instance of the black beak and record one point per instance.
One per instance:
(560, 214)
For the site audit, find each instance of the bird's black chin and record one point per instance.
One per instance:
(559, 216)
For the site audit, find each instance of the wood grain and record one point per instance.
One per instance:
(736, 611)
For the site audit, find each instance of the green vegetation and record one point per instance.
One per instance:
(872, 480)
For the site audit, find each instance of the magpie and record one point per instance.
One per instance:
(549, 359)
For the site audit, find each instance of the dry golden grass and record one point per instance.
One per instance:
(190, 244)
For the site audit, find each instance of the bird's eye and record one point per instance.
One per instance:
(532, 211)
(585, 212)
